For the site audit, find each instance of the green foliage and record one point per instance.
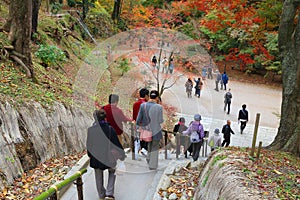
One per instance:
(100, 24)
(50, 55)
(124, 66)
(217, 158)
(189, 30)
(55, 7)
(71, 3)
(270, 11)
(154, 3)
(272, 43)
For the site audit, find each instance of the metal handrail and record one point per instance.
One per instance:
(52, 191)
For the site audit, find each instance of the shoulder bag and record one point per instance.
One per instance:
(145, 131)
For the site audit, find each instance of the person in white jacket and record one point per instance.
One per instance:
(215, 141)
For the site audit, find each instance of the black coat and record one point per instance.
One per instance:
(226, 130)
(101, 137)
(243, 114)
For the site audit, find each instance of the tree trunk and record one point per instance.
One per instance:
(117, 10)
(35, 14)
(288, 136)
(19, 27)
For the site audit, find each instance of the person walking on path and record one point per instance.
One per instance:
(243, 117)
(165, 63)
(184, 141)
(115, 115)
(227, 101)
(215, 140)
(196, 133)
(218, 79)
(154, 61)
(101, 137)
(171, 66)
(204, 72)
(209, 72)
(198, 87)
(226, 130)
(154, 111)
(144, 97)
(225, 80)
(189, 87)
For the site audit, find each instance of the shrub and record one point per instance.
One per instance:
(50, 55)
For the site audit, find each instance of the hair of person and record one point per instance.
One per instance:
(244, 106)
(100, 114)
(144, 92)
(154, 94)
(113, 98)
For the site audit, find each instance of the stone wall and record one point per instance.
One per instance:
(221, 180)
(32, 134)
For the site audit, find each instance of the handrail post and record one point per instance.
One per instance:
(177, 144)
(79, 188)
(166, 141)
(132, 137)
(258, 151)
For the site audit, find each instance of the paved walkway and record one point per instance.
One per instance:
(139, 183)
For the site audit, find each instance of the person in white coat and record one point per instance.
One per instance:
(215, 141)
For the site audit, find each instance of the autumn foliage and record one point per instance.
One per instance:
(236, 29)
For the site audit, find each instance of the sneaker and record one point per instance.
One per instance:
(144, 152)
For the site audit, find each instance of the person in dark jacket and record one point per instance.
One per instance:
(225, 79)
(227, 101)
(243, 117)
(226, 130)
(101, 138)
(184, 140)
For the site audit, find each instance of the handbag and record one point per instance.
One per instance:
(113, 154)
(145, 135)
(145, 131)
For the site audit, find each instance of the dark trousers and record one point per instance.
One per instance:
(209, 75)
(217, 85)
(225, 86)
(243, 125)
(227, 104)
(226, 142)
(196, 150)
(144, 145)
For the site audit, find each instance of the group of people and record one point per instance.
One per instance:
(214, 141)
(221, 79)
(166, 65)
(105, 136)
(106, 133)
(198, 87)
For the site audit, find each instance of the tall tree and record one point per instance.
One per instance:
(35, 14)
(288, 136)
(117, 10)
(18, 25)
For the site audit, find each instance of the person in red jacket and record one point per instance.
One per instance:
(115, 116)
(144, 97)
